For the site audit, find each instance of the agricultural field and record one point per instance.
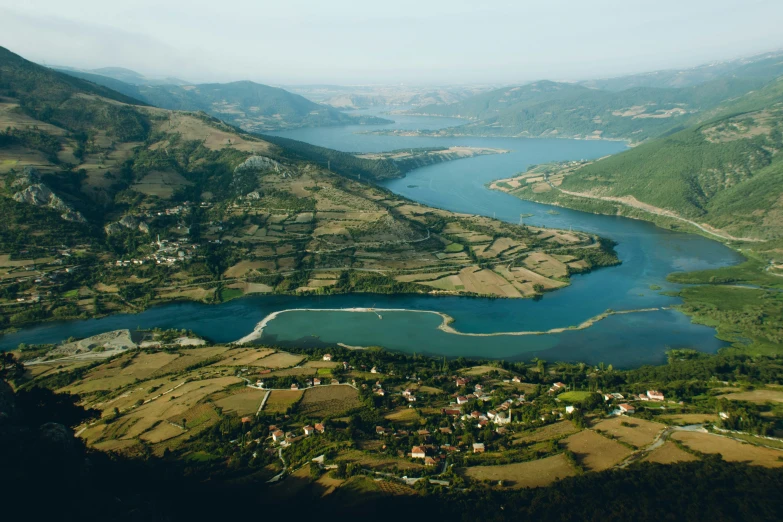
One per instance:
(548, 432)
(683, 419)
(633, 431)
(595, 452)
(730, 449)
(532, 474)
(574, 396)
(760, 396)
(280, 400)
(244, 401)
(403, 416)
(328, 401)
(278, 360)
(668, 453)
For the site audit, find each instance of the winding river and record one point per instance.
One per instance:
(648, 254)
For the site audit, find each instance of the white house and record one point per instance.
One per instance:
(627, 408)
(655, 395)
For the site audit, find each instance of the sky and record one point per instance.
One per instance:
(415, 42)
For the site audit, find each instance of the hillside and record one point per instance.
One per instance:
(251, 106)
(551, 109)
(726, 173)
(110, 206)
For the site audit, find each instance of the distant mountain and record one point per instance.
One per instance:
(251, 106)
(553, 109)
(676, 78)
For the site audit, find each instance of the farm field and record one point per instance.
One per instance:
(633, 431)
(758, 396)
(549, 432)
(683, 419)
(278, 360)
(668, 453)
(280, 400)
(535, 473)
(595, 452)
(328, 401)
(244, 401)
(730, 450)
(403, 415)
(574, 396)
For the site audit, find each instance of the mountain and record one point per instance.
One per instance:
(724, 173)
(553, 109)
(251, 106)
(676, 78)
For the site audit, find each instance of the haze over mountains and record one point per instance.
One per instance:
(251, 106)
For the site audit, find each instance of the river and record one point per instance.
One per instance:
(647, 253)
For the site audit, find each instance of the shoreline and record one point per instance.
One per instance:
(446, 323)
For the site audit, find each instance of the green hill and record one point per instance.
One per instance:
(640, 112)
(251, 106)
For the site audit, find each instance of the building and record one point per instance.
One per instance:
(316, 382)
(478, 447)
(429, 461)
(278, 435)
(461, 399)
(418, 452)
(570, 409)
(294, 386)
(320, 428)
(627, 408)
(655, 395)
(308, 430)
(557, 387)
(327, 357)
(461, 381)
(380, 430)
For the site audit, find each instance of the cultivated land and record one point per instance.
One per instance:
(204, 404)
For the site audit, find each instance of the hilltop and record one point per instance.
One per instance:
(112, 205)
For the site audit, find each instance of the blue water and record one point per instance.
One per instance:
(647, 253)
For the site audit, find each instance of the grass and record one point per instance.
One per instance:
(243, 402)
(453, 248)
(226, 294)
(280, 400)
(574, 396)
(668, 453)
(71, 294)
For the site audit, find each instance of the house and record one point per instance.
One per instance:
(334, 381)
(724, 415)
(418, 452)
(478, 447)
(316, 381)
(445, 431)
(655, 395)
(461, 399)
(327, 357)
(294, 386)
(449, 448)
(411, 398)
(278, 435)
(557, 387)
(570, 409)
(380, 430)
(320, 428)
(407, 393)
(380, 392)
(450, 411)
(374, 370)
(503, 418)
(461, 381)
(479, 388)
(627, 408)
(429, 461)
(308, 430)
(423, 433)
(516, 379)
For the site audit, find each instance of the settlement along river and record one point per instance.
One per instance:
(647, 253)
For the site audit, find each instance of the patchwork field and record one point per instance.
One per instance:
(278, 360)
(536, 473)
(595, 452)
(729, 449)
(758, 396)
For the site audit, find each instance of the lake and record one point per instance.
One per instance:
(647, 253)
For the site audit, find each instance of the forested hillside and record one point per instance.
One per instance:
(726, 172)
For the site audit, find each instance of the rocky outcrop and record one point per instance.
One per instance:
(40, 195)
(36, 193)
(246, 174)
(127, 222)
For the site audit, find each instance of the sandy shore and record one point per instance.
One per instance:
(445, 325)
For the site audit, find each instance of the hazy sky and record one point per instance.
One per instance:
(372, 41)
